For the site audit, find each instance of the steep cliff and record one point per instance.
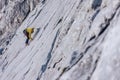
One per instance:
(78, 40)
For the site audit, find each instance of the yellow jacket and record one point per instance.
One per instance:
(30, 31)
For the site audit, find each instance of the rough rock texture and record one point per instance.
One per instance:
(12, 14)
(78, 40)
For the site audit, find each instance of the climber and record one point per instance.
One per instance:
(27, 32)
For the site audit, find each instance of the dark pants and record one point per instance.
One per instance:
(27, 40)
(27, 35)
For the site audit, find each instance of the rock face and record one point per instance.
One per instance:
(78, 40)
(12, 14)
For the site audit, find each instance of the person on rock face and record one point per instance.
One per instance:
(27, 32)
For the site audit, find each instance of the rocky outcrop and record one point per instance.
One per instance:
(78, 40)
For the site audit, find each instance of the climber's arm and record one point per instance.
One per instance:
(30, 36)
